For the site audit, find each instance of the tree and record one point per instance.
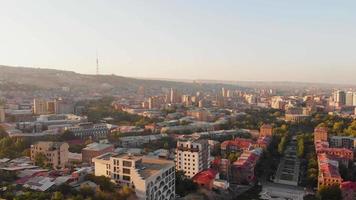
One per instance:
(41, 160)
(233, 156)
(338, 127)
(330, 193)
(184, 185)
(300, 146)
(104, 182)
(282, 145)
(57, 196)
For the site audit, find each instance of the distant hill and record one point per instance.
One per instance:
(52, 79)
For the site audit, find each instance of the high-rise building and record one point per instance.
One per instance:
(174, 96)
(192, 156)
(39, 107)
(339, 97)
(62, 106)
(224, 92)
(354, 99)
(56, 153)
(155, 102)
(187, 100)
(349, 98)
(151, 178)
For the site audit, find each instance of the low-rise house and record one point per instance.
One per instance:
(206, 178)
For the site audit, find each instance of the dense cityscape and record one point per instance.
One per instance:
(177, 100)
(175, 141)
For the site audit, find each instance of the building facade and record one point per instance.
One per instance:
(56, 153)
(151, 178)
(192, 156)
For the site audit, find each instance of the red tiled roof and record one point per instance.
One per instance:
(238, 142)
(247, 159)
(205, 176)
(348, 185)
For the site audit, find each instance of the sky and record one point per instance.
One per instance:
(239, 40)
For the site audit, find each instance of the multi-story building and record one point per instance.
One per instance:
(90, 130)
(155, 102)
(175, 96)
(328, 171)
(192, 156)
(95, 149)
(321, 134)
(342, 142)
(39, 107)
(151, 178)
(243, 169)
(55, 152)
(266, 130)
(62, 106)
(349, 98)
(339, 97)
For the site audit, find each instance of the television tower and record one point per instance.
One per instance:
(97, 63)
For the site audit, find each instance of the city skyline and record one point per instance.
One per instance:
(237, 41)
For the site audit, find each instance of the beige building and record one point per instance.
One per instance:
(192, 156)
(55, 152)
(152, 178)
(39, 107)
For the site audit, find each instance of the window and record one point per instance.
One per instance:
(126, 171)
(127, 163)
(126, 178)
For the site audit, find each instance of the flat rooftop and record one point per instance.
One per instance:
(97, 146)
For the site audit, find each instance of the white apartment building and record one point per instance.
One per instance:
(152, 178)
(192, 156)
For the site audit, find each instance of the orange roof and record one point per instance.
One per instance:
(205, 176)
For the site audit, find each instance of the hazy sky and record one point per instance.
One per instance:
(267, 40)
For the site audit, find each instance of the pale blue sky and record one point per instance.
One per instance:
(266, 40)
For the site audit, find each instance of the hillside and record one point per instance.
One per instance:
(52, 79)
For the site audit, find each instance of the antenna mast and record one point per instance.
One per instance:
(97, 63)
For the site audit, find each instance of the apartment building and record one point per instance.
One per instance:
(151, 178)
(243, 169)
(328, 171)
(90, 130)
(55, 152)
(192, 156)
